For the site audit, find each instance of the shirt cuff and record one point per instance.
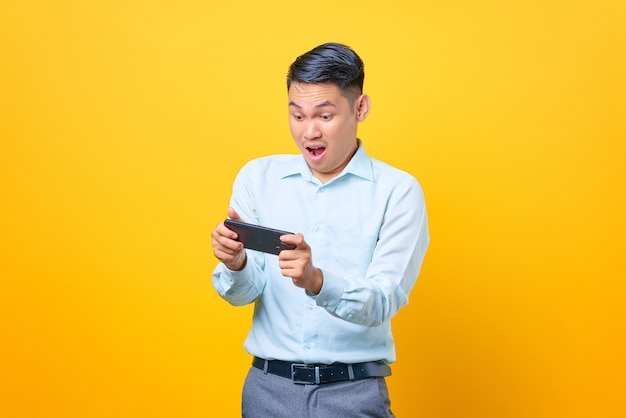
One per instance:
(234, 276)
(331, 293)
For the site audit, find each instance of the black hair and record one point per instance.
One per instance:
(329, 63)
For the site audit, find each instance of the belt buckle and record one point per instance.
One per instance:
(295, 366)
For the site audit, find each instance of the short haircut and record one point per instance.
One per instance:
(329, 63)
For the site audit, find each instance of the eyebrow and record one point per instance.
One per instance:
(323, 104)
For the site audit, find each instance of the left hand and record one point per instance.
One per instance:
(298, 264)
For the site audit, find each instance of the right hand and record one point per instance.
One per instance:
(225, 248)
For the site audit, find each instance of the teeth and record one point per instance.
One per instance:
(315, 150)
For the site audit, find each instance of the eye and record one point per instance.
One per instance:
(326, 117)
(298, 117)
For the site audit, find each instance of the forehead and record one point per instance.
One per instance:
(315, 94)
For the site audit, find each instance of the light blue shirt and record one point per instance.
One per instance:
(368, 232)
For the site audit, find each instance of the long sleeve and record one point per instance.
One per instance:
(239, 287)
(394, 268)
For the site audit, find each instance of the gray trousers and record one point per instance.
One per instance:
(271, 396)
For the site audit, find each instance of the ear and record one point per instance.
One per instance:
(362, 106)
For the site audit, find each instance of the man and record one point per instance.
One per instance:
(321, 336)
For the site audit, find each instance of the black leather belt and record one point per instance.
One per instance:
(316, 374)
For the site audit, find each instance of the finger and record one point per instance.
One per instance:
(225, 231)
(288, 272)
(232, 214)
(230, 244)
(226, 239)
(295, 239)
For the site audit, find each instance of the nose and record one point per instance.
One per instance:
(311, 130)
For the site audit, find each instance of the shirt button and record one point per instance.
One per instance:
(325, 303)
(310, 306)
(307, 346)
(316, 229)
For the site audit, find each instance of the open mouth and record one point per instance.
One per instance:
(316, 151)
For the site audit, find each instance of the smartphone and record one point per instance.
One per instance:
(259, 238)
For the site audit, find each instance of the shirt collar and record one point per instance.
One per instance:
(359, 165)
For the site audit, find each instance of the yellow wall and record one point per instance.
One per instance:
(123, 124)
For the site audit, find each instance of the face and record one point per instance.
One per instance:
(323, 124)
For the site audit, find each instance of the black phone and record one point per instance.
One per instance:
(259, 238)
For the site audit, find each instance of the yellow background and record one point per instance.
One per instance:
(123, 123)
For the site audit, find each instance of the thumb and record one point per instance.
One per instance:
(232, 214)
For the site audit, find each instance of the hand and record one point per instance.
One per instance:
(225, 248)
(298, 264)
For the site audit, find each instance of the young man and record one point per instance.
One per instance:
(321, 336)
